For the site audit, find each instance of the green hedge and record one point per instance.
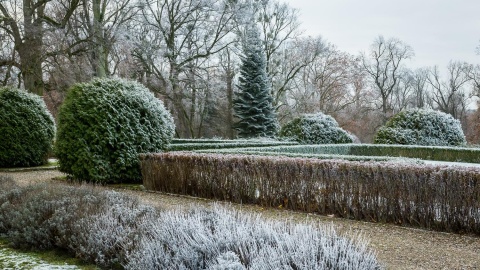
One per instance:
(434, 197)
(202, 144)
(436, 153)
(317, 156)
(206, 141)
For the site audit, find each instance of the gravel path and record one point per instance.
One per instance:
(396, 247)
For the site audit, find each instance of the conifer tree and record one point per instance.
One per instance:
(253, 102)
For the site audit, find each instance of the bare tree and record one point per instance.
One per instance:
(327, 82)
(26, 23)
(229, 63)
(421, 89)
(384, 64)
(280, 29)
(449, 95)
(9, 67)
(190, 30)
(474, 75)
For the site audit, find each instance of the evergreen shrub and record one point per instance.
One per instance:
(103, 126)
(27, 129)
(315, 129)
(421, 127)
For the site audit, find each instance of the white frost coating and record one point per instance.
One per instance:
(112, 229)
(12, 260)
(422, 127)
(182, 240)
(315, 128)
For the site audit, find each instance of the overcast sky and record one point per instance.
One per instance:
(438, 30)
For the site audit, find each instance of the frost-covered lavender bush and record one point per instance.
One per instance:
(315, 129)
(115, 230)
(103, 126)
(421, 127)
(224, 239)
(94, 225)
(27, 129)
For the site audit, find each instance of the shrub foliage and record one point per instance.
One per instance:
(27, 129)
(435, 197)
(116, 231)
(372, 151)
(105, 124)
(315, 129)
(421, 127)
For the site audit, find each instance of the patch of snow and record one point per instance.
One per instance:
(11, 259)
(463, 164)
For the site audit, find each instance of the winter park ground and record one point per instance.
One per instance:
(396, 247)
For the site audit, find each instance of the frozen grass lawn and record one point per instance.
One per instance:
(49, 260)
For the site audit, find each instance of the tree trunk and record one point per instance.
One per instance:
(99, 57)
(229, 80)
(31, 66)
(30, 51)
(181, 124)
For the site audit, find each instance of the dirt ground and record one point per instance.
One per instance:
(396, 247)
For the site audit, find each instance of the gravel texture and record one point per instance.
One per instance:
(396, 247)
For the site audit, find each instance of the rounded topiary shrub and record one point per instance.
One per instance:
(315, 129)
(27, 129)
(104, 125)
(421, 127)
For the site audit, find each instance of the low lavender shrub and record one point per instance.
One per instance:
(219, 238)
(116, 231)
(94, 225)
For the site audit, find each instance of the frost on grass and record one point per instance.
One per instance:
(114, 230)
(12, 260)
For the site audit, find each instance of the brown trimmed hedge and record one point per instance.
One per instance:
(434, 197)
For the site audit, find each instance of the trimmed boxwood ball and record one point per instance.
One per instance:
(104, 125)
(27, 129)
(421, 127)
(315, 129)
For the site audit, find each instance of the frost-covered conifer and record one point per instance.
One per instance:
(253, 102)
(421, 127)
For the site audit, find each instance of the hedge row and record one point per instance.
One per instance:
(223, 145)
(318, 156)
(207, 140)
(438, 153)
(434, 197)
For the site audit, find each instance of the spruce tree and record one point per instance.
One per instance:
(253, 102)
